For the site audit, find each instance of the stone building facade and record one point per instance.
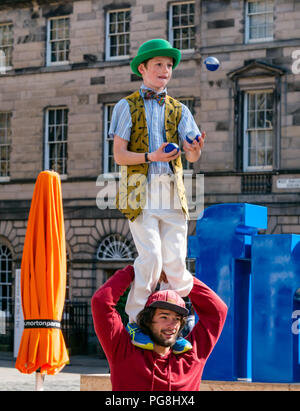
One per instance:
(64, 64)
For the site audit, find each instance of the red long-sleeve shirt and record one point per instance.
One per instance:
(136, 369)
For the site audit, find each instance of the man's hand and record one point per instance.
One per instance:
(193, 150)
(160, 155)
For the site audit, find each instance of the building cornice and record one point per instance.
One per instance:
(4, 4)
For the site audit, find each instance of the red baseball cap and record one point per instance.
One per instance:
(168, 299)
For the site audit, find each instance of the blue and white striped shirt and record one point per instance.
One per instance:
(121, 124)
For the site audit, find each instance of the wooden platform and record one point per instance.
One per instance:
(101, 382)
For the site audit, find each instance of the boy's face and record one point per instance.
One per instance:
(157, 72)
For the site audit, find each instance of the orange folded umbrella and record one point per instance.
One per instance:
(43, 280)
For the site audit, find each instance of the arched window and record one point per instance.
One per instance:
(116, 247)
(5, 278)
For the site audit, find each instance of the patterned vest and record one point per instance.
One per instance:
(131, 198)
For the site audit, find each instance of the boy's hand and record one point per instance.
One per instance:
(193, 150)
(160, 155)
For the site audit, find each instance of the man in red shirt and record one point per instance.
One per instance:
(157, 368)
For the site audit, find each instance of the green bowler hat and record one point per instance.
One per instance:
(154, 48)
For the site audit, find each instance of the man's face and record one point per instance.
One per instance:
(165, 327)
(157, 73)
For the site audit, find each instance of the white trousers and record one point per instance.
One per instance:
(160, 236)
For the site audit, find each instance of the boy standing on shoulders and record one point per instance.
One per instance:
(142, 125)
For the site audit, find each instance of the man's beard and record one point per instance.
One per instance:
(161, 341)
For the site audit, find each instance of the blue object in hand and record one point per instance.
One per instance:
(170, 147)
(190, 137)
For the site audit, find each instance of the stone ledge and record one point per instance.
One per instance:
(101, 382)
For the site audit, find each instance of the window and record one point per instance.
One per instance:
(116, 247)
(258, 130)
(182, 25)
(2, 62)
(109, 165)
(58, 44)
(5, 142)
(5, 279)
(56, 140)
(117, 34)
(259, 20)
(257, 120)
(6, 46)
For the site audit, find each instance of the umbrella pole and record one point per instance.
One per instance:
(39, 381)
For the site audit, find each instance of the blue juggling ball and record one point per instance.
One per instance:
(190, 137)
(170, 147)
(212, 63)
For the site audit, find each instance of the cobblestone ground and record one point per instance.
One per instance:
(67, 380)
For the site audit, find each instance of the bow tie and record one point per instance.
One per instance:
(149, 94)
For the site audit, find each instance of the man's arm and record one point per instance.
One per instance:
(212, 312)
(107, 321)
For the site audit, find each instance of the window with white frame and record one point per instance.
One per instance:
(189, 102)
(5, 278)
(58, 40)
(116, 247)
(118, 34)
(258, 130)
(109, 164)
(5, 145)
(56, 140)
(182, 25)
(6, 46)
(259, 20)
